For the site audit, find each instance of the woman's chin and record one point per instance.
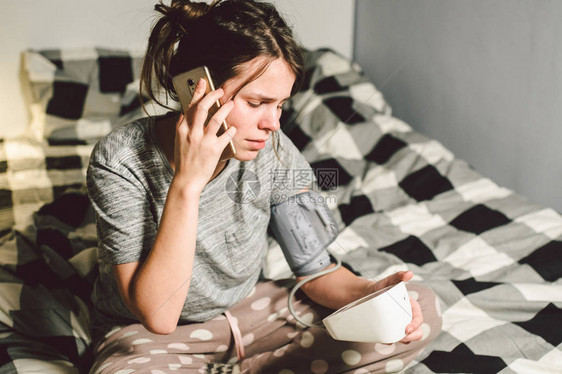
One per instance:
(246, 155)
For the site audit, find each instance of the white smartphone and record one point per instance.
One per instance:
(185, 84)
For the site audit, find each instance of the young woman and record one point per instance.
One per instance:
(179, 287)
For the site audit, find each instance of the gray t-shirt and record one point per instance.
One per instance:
(128, 180)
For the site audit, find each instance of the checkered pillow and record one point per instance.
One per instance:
(341, 85)
(79, 95)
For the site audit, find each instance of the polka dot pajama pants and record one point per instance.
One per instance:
(273, 342)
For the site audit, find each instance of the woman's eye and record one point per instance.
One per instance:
(253, 104)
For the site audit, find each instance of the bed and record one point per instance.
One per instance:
(402, 201)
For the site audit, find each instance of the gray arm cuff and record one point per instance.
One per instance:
(314, 265)
(304, 227)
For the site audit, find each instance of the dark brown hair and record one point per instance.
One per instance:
(221, 35)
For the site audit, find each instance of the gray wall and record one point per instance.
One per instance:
(483, 77)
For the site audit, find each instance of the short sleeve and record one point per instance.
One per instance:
(126, 225)
(292, 172)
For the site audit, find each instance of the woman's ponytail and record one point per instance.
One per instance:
(174, 24)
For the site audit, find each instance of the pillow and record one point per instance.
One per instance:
(79, 95)
(335, 84)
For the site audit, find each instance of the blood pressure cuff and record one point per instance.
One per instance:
(304, 227)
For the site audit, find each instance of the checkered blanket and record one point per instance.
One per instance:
(402, 201)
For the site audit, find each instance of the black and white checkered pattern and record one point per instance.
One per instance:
(33, 173)
(402, 201)
(78, 95)
(46, 277)
(405, 202)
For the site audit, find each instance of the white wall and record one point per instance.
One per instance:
(125, 24)
(321, 23)
(483, 77)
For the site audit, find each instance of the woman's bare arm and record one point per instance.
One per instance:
(155, 290)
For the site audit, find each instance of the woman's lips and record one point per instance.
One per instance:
(257, 144)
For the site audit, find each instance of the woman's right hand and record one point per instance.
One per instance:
(197, 148)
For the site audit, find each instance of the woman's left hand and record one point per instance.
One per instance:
(413, 330)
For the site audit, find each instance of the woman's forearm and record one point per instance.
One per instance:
(335, 290)
(159, 288)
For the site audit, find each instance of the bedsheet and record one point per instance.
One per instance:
(401, 200)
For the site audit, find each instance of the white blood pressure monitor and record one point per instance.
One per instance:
(380, 317)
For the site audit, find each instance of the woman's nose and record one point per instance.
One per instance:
(270, 120)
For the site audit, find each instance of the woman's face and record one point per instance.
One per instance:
(257, 105)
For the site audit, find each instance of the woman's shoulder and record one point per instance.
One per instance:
(124, 141)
